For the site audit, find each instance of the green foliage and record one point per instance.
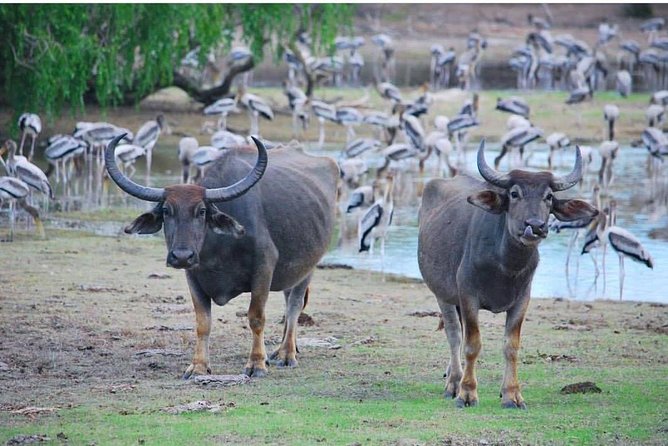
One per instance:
(58, 55)
(638, 10)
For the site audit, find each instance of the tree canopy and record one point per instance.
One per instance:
(56, 56)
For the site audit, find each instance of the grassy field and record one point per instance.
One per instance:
(77, 310)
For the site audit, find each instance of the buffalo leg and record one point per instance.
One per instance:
(256, 366)
(286, 355)
(202, 304)
(468, 390)
(453, 330)
(510, 390)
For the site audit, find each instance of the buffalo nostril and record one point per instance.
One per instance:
(181, 256)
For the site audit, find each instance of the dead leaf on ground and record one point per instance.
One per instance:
(122, 388)
(304, 320)
(32, 411)
(366, 341)
(159, 276)
(97, 289)
(330, 343)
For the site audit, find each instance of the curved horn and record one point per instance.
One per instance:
(570, 180)
(129, 186)
(242, 186)
(489, 174)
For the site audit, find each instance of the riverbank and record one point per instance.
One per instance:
(96, 332)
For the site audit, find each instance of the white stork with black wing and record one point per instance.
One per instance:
(323, 111)
(374, 224)
(19, 167)
(256, 107)
(30, 125)
(15, 191)
(222, 107)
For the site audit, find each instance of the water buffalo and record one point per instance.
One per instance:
(477, 249)
(233, 236)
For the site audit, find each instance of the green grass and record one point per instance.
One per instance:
(381, 409)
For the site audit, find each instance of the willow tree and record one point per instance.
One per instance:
(55, 56)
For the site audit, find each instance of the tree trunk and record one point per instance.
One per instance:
(208, 96)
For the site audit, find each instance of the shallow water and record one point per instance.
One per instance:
(631, 188)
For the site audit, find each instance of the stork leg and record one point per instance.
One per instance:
(295, 301)
(149, 158)
(453, 331)
(468, 390)
(497, 160)
(202, 304)
(222, 122)
(621, 276)
(321, 139)
(511, 398)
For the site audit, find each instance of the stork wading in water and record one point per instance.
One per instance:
(623, 242)
(30, 125)
(324, 112)
(556, 141)
(222, 107)
(147, 137)
(256, 107)
(19, 167)
(374, 224)
(15, 191)
(611, 114)
(61, 154)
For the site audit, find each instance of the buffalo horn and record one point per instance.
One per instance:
(129, 186)
(570, 180)
(490, 175)
(242, 186)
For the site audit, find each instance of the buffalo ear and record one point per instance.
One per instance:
(148, 223)
(489, 201)
(569, 210)
(221, 223)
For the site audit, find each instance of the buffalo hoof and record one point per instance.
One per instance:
(276, 359)
(461, 403)
(255, 372)
(196, 369)
(514, 405)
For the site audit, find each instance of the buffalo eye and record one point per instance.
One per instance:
(201, 212)
(514, 195)
(165, 210)
(549, 197)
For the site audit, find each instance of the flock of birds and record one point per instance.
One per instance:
(399, 135)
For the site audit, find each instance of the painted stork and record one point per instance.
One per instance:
(623, 83)
(611, 114)
(297, 101)
(19, 167)
(359, 146)
(256, 107)
(352, 171)
(224, 139)
(127, 154)
(147, 137)
(655, 114)
(374, 224)
(517, 121)
(187, 148)
(608, 151)
(60, 153)
(659, 97)
(413, 131)
(222, 107)
(514, 105)
(349, 117)
(519, 138)
(556, 141)
(15, 191)
(324, 112)
(204, 157)
(30, 125)
(360, 198)
(386, 90)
